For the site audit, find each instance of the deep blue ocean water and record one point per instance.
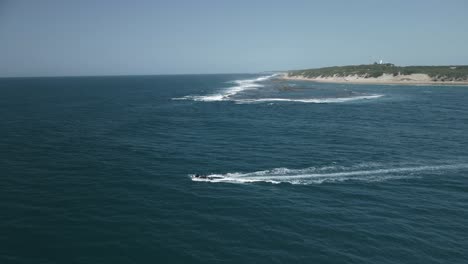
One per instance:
(99, 170)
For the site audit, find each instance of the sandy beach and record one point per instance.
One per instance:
(413, 79)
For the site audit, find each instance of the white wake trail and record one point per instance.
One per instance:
(314, 176)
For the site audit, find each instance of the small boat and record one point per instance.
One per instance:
(206, 177)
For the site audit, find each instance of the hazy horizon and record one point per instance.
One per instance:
(65, 38)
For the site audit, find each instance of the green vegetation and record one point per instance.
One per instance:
(437, 73)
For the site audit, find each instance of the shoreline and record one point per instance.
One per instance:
(382, 80)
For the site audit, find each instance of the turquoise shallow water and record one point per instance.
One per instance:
(98, 170)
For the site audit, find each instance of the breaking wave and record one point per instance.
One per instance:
(311, 100)
(313, 175)
(228, 93)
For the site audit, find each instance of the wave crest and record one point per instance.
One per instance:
(311, 100)
(226, 94)
(229, 94)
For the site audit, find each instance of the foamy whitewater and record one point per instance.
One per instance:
(261, 88)
(316, 101)
(227, 93)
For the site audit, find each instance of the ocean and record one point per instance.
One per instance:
(102, 170)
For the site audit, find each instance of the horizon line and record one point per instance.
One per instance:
(129, 75)
(179, 74)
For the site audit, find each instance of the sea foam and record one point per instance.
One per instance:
(310, 100)
(227, 93)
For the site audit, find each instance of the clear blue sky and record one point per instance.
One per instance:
(53, 38)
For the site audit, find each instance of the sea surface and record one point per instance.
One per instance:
(101, 170)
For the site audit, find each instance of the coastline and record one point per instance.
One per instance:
(386, 79)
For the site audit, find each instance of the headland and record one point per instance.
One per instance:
(384, 74)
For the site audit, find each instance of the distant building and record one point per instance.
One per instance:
(381, 62)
